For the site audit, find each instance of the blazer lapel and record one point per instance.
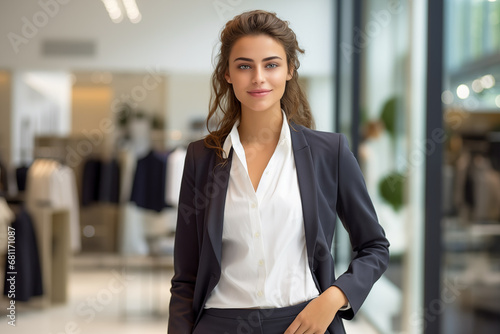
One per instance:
(215, 192)
(307, 186)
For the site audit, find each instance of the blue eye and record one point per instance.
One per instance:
(244, 67)
(272, 65)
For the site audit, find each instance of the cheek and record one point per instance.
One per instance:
(280, 83)
(238, 80)
(239, 88)
(280, 77)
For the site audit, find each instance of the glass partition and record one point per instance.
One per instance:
(471, 169)
(388, 124)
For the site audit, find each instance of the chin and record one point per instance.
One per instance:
(261, 107)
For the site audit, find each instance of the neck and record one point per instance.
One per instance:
(260, 127)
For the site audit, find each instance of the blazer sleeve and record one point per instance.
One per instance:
(368, 241)
(186, 254)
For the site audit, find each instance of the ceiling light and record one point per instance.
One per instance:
(447, 97)
(114, 10)
(132, 11)
(477, 86)
(463, 91)
(488, 81)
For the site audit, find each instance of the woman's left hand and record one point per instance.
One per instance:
(319, 313)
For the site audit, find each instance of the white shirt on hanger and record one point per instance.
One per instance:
(54, 185)
(175, 167)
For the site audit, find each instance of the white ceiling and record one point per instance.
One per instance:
(174, 36)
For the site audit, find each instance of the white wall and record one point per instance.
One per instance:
(174, 35)
(187, 100)
(41, 104)
(319, 93)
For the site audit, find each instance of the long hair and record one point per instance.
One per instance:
(225, 109)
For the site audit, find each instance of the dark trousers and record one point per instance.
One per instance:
(247, 321)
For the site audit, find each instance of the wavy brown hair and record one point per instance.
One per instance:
(225, 109)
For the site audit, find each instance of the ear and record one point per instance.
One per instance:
(289, 76)
(228, 77)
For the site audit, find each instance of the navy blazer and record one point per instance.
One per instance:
(331, 184)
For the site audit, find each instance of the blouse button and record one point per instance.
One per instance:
(254, 205)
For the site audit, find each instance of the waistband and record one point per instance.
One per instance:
(267, 313)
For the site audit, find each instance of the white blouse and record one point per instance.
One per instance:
(264, 257)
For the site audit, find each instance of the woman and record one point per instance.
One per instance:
(259, 200)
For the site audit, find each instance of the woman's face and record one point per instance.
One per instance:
(258, 72)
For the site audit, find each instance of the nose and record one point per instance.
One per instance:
(258, 75)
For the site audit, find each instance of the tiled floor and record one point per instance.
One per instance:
(105, 298)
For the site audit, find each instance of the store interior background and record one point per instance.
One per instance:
(77, 87)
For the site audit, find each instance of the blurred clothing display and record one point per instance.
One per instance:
(4, 181)
(109, 188)
(486, 190)
(21, 176)
(477, 185)
(28, 277)
(149, 192)
(100, 182)
(90, 181)
(53, 184)
(175, 168)
(131, 231)
(6, 218)
(148, 188)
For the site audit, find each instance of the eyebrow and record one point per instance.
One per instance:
(251, 60)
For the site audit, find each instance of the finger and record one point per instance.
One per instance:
(294, 326)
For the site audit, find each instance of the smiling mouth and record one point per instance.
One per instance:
(259, 92)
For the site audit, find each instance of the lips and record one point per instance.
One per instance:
(259, 92)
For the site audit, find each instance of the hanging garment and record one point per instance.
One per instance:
(148, 188)
(131, 237)
(100, 182)
(28, 277)
(4, 180)
(109, 186)
(6, 218)
(175, 167)
(53, 185)
(21, 175)
(128, 165)
(91, 178)
(144, 182)
(65, 196)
